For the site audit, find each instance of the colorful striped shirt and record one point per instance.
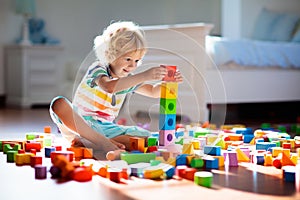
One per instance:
(91, 100)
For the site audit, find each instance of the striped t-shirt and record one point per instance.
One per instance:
(92, 100)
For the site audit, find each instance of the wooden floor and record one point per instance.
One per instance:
(247, 181)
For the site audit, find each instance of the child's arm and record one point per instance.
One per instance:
(116, 85)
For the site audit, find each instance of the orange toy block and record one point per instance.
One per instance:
(114, 175)
(81, 152)
(87, 153)
(285, 160)
(137, 144)
(64, 165)
(268, 160)
(221, 160)
(68, 154)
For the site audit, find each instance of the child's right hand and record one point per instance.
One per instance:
(155, 73)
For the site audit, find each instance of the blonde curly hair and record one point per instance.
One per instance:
(118, 39)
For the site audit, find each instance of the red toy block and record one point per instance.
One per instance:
(33, 145)
(82, 174)
(151, 149)
(36, 160)
(189, 173)
(114, 175)
(170, 74)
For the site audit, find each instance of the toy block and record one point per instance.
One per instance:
(47, 129)
(169, 77)
(36, 160)
(268, 160)
(241, 156)
(138, 168)
(188, 148)
(82, 174)
(131, 158)
(259, 159)
(23, 159)
(285, 160)
(181, 159)
(167, 122)
(203, 178)
(114, 175)
(180, 171)
(55, 172)
(155, 162)
(124, 174)
(231, 158)
(167, 106)
(197, 163)
(189, 159)
(11, 147)
(153, 172)
(152, 141)
(289, 173)
(190, 173)
(264, 145)
(169, 90)
(196, 144)
(212, 150)
(170, 161)
(277, 163)
(11, 156)
(40, 172)
(137, 143)
(286, 145)
(78, 152)
(287, 152)
(64, 164)
(103, 171)
(276, 151)
(151, 149)
(211, 162)
(12, 144)
(69, 155)
(235, 137)
(87, 153)
(220, 160)
(166, 137)
(48, 151)
(33, 145)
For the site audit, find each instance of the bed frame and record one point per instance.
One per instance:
(204, 83)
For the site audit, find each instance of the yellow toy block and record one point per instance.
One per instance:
(169, 90)
(221, 160)
(188, 148)
(268, 160)
(196, 144)
(170, 161)
(153, 172)
(23, 159)
(276, 151)
(294, 158)
(241, 156)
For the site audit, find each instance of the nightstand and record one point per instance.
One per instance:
(33, 74)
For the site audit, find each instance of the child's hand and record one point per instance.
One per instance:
(178, 76)
(155, 73)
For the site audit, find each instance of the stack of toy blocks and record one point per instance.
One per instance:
(167, 117)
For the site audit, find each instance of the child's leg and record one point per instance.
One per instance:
(73, 121)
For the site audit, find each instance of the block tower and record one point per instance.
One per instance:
(167, 111)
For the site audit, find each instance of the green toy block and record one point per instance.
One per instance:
(167, 106)
(152, 141)
(197, 163)
(132, 158)
(203, 178)
(11, 156)
(7, 147)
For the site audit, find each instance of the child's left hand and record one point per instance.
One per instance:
(178, 76)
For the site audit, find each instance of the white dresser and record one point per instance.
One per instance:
(33, 74)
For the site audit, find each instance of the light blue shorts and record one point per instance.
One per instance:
(111, 130)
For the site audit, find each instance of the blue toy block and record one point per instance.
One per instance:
(211, 163)
(265, 145)
(248, 138)
(170, 172)
(245, 131)
(179, 134)
(48, 151)
(167, 106)
(289, 173)
(167, 122)
(181, 159)
(212, 150)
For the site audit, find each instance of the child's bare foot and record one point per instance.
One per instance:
(114, 155)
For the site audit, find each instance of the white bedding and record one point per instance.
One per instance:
(253, 52)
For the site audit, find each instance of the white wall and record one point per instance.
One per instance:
(77, 22)
(239, 16)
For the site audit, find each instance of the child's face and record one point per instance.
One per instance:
(125, 64)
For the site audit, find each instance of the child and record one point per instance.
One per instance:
(102, 91)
